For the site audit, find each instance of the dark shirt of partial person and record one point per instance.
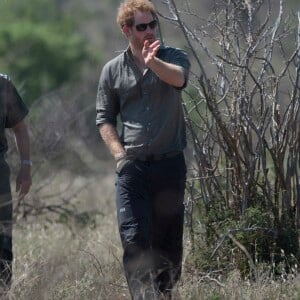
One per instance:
(12, 110)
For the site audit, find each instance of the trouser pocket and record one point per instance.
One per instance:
(122, 164)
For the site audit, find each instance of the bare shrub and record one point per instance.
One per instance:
(63, 151)
(242, 112)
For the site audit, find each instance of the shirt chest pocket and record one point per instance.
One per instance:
(129, 95)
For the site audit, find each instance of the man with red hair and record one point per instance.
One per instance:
(143, 85)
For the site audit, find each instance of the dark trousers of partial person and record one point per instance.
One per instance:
(150, 208)
(6, 255)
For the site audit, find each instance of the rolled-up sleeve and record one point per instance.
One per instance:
(180, 58)
(107, 104)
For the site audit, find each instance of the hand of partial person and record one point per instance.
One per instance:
(149, 51)
(23, 181)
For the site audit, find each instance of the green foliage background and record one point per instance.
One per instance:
(39, 46)
(47, 44)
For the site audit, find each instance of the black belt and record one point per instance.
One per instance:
(151, 157)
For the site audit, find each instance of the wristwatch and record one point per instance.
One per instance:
(26, 162)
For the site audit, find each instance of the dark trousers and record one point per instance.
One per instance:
(150, 211)
(6, 221)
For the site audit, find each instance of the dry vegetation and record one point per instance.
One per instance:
(78, 255)
(53, 261)
(66, 243)
(67, 246)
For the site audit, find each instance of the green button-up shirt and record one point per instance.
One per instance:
(150, 109)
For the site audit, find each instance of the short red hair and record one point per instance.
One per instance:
(127, 9)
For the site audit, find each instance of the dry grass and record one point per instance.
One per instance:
(83, 260)
(54, 262)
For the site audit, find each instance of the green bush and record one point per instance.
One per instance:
(39, 46)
